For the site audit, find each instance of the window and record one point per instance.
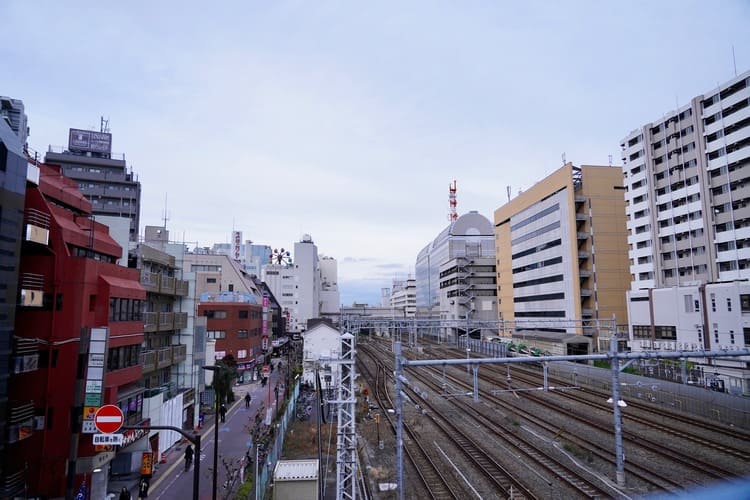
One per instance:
(745, 303)
(216, 334)
(210, 280)
(729, 304)
(241, 334)
(212, 314)
(641, 331)
(688, 303)
(244, 314)
(713, 302)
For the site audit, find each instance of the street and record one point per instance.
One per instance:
(234, 442)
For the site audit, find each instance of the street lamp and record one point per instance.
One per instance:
(217, 402)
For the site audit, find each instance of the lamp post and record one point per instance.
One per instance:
(217, 401)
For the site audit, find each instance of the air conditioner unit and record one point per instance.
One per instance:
(32, 298)
(693, 347)
(657, 345)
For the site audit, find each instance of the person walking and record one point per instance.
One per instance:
(143, 488)
(188, 457)
(125, 494)
(223, 413)
(247, 400)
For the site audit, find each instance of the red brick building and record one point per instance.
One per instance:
(237, 327)
(70, 283)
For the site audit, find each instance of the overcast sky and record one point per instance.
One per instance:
(349, 120)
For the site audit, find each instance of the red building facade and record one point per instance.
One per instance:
(237, 329)
(70, 283)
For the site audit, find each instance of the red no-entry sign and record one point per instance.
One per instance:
(108, 419)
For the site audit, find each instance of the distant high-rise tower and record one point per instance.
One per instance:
(103, 180)
(12, 110)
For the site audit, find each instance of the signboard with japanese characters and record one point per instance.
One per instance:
(108, 439)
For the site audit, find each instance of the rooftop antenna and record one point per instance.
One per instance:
(104, 125)
(734, 61)
(452, 202)
(166, 216)
(610, 160)
(507, 189)
(563, 158)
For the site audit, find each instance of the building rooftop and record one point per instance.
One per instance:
(296, 470)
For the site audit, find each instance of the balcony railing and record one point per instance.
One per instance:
(167, 284)
(150, 321)
(163, 357)
(181, 288)
(150, 281)
(148, 360)
(166, 321)
(179, 353)
(180, 320)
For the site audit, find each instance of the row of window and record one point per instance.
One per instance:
(538, 248)
(241, 334)
(536, 233)
(538, 265)
(731, 90)
(539, 281)
(541, 297)
(665, 332)
(125, 309)
(241, 314)
(542, 213)
(123, 357)
(88, 253)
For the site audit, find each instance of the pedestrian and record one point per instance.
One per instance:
(143, 488)
(188, 457)
(125, 494)
(247, 400)
(223, 412)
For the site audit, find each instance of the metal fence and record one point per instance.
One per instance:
(717, 406)
(265, 470)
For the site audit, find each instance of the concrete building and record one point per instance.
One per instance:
(687, 176)
(330, 304)
(73, 294)
(105, 181)
(18, 227)
(306, 287)
(320, 340)
(12, 111)
(562, 251)
(446, 271)
(403, 297)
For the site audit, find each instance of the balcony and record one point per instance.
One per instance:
(582, 236)
(181, 288)
(150, 281)
(37, 226)
(584, 273)
(150, 321)
(583, 255)
(179, 353)
(148, 361)
(586, 292)
(163, 357)
(180, 320)
(166, 321)
(166, 284)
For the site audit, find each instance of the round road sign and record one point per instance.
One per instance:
(108, 419)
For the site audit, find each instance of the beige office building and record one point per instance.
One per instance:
(562, 254)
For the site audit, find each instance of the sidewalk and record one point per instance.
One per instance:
(174, 458)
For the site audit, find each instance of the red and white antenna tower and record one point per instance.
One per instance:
(452, 216)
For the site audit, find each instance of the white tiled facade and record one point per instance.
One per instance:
(687, 177)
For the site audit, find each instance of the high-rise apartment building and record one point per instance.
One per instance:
(105, 181)
(561, 251)
(687, 176)
(688, 191)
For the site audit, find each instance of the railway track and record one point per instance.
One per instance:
(435, 483)
(536, 458)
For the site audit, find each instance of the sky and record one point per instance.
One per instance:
(349, 120)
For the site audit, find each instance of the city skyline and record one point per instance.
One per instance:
(348, 122)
